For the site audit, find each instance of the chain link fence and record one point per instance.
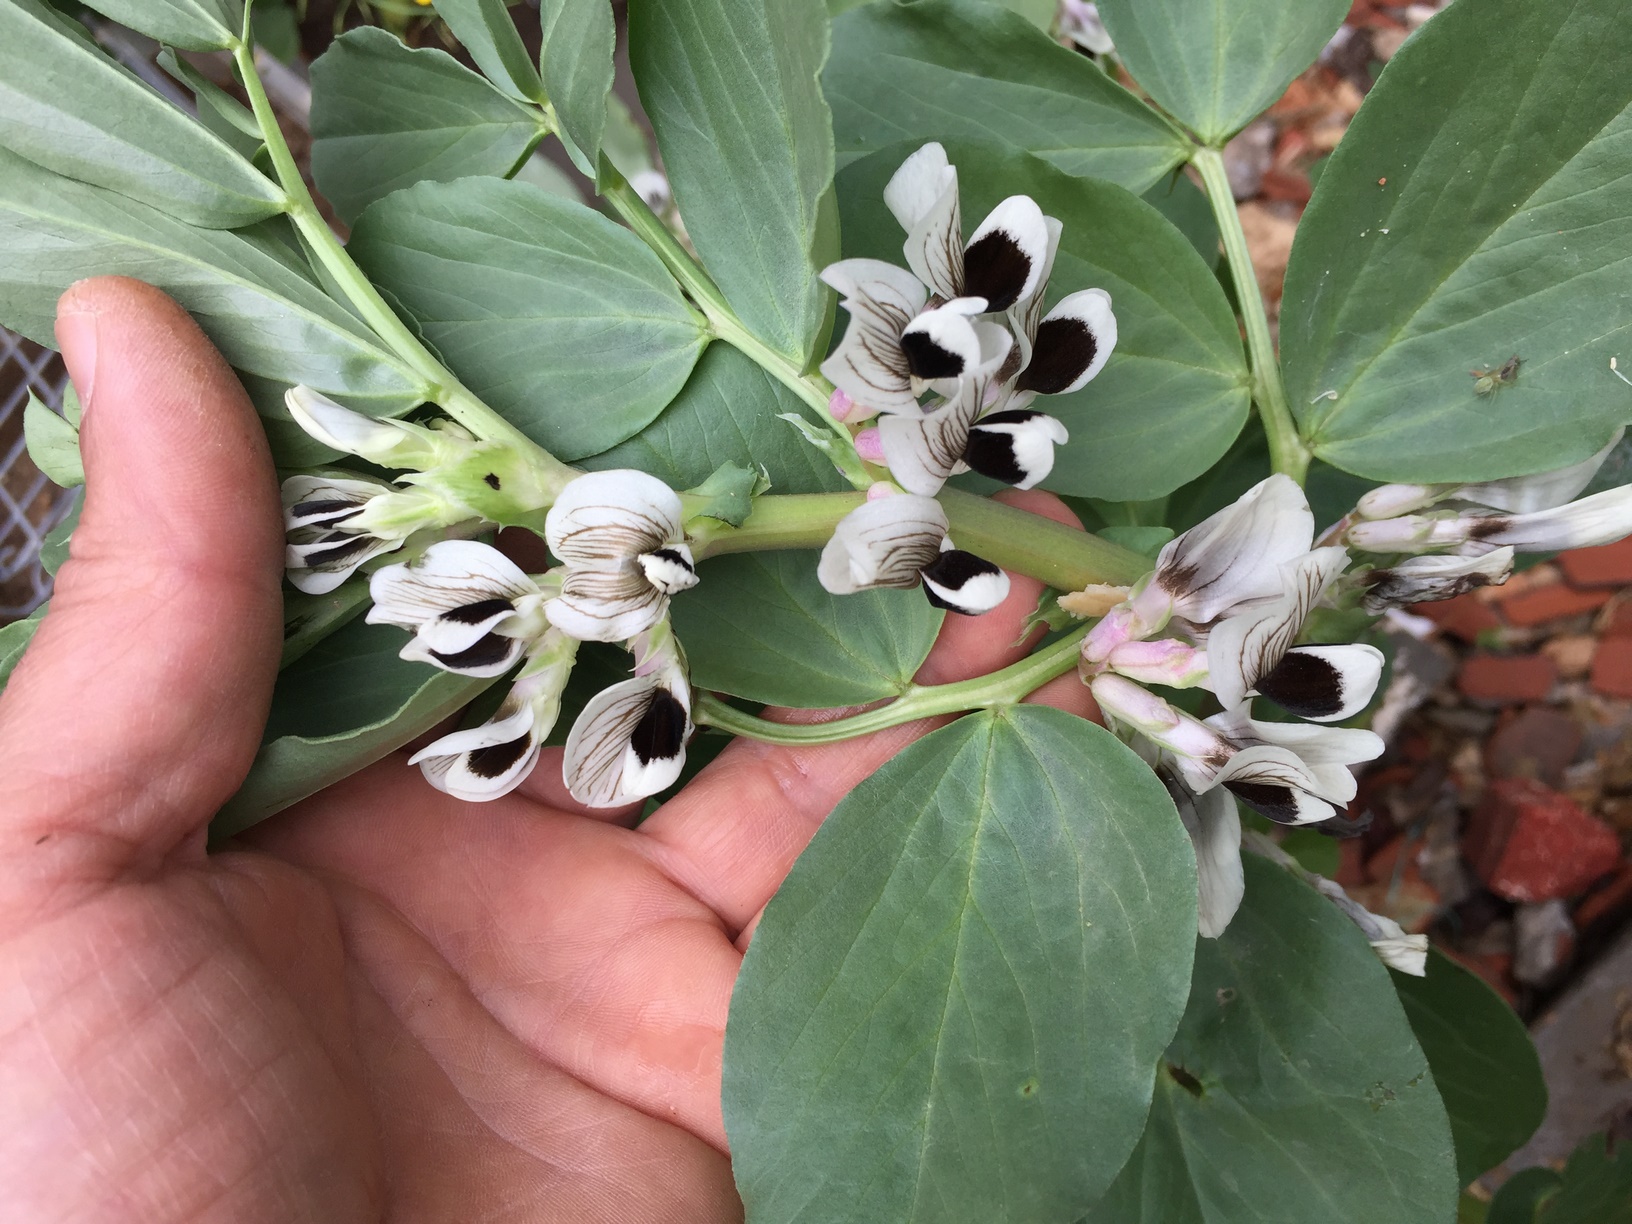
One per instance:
(29, 503)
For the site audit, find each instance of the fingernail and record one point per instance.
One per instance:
(76, 334)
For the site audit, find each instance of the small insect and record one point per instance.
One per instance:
(1488, 382)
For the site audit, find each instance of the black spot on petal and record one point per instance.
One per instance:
(488, 651)
(1304, 684)
(491, 480)
(342, 548)
(991, 452)
(674, 556)
(317, 509)
(958, 572)
(498, 759)
(1064, 348)
(1277, 803)
(661, 732)
(995, 267)
(928, 360)
(476, 613)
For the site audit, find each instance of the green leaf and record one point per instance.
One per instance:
(218, 110)
(386, 117)
(344, 704)
(939, 69)
(1521, 1197)
(1294, 1090)
(1475, 211)
(950, 1009)
(53, 444)
(485, 29)
(728, 495)
(1175, 393)
(1215, 64)
(732, 92)
(728, 412)
(1187, 207)
(576, 63)
(1483, 1061)
(760, 626)
(14, 639)
(1596, 1187)
(269, 320)
(192, 25)
(54, 547)
(66, 106)
(562, 320)
(276, 29)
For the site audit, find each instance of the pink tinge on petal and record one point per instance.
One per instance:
(880, 489)
(839, 404)
(870, 446)
(1117, 627)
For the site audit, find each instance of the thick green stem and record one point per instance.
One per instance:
(812, 389)
(442, 387)
(1287, 452)
(1000, 688)
(1015, 539)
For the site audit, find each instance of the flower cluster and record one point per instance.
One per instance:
(950, 356)
(620, 542)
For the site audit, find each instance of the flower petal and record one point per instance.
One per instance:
(341, 429)
(869, 364)
(1602, 518)
(883, 543)
(1542, 491)
(1244, 648)
(1425, 579)
(923, 195)
(312, 499)
(1323, 683)
(492, 654)
(1214, 826)
(320, 565)
(629, 742)
(922, 451)
(484, 762)
(944, 343)
(606, 519)
(1316, 746)
(671, 569)
(1072, 344)
(600, 605)
(1236, 555)
(1003, 262)
(1015, 446)
(962, 582)
(1276, 784)
(449, 575)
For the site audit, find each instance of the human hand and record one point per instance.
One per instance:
(385, 1003)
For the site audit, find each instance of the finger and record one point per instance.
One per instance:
(139, 704)
(732, 835)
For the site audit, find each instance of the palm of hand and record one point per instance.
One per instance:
(386, 1004)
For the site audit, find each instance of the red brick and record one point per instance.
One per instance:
(1616, 619)
(1507, 679)
(1285, 185)
(1527, 842)
(1609, 901)
(1464, 617)
(1538, 742)
(1612, 667)
(1609, 566)
(1550, 603)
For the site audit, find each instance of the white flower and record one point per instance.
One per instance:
(1602, 518)
(1517, 494)
(1214, 826)
(471, 609)
(1067, 348)
(1169, 661)
(1324, 755)
(620, 536)
(1428, 578)
(1396, 949)
(901, 541)
(1253, 652)
(630, 740)
(491, 760)
(389, 443)
(336, 523)
(894, 349)
(1003, 259)
(1080, 22)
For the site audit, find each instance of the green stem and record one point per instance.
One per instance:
(812, 389)
(1024, 543)
(443, 388)
(1287, 452)
(1000, 688)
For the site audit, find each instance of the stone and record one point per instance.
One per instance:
(1463, 617)
(1572, 654)
(1543, 942)
(1550, 603)
(1247, 156)
(1508, 679)
(1609, 566)
(1537, 742)
(1612, 667)
(1527, 842)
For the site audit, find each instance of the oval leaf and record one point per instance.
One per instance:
(1294, 1090)
(53, 444)
(192, 25)
(269, 320)
(1483, 1061)
(1215, 64)
(760, 626)
(562, 320)
(66, 106)
(965, 68)
(576, 63)
(1475, 211)
(14, 639)
(386, 117)
(485, 29)
(344, 704)
(732, 92)
(1175, 393)
(950, 1009)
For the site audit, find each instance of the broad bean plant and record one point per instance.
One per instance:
(754, 398)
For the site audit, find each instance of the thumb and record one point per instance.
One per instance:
(138, 706)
